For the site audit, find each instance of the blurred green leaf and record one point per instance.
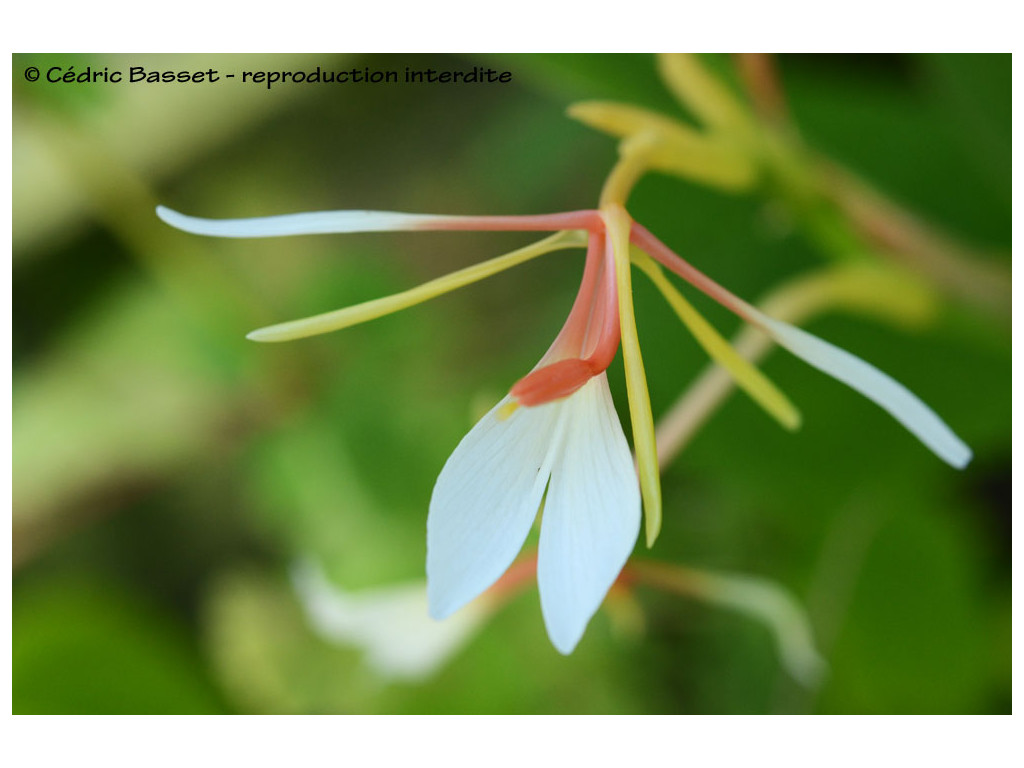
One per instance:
(86, 647)
(128, 396)
(915, 628)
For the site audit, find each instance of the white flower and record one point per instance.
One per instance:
(488, 494)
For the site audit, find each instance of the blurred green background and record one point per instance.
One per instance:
(167, 472)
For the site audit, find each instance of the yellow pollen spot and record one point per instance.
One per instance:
(507, 410)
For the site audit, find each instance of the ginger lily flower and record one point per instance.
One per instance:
(564, 451)
(555, 441)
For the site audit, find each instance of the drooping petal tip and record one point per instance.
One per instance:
(902, 404)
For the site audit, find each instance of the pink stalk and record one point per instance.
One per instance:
(547, 222)
(590, 335)
(645, 241)
(606, 314)
(573, 335)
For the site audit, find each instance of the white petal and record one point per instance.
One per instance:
(903, 404)
(485, 501)
(390, 624)
(591, 515)
(315, 223)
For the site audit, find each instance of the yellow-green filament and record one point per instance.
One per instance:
(370, 310)
(699, 90)
(679, 150)
(747, 377)
(633, 162)
(617, 222)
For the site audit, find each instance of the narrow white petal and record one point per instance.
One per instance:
(485, 501)
(591, 515)
(900, 402)
(315, 223)
(390, 624)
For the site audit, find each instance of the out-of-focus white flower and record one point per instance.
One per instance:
(389, 624)
(761, 599)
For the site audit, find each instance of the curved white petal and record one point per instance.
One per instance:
(591, 515)
(770, 603)
(899, 401)
(390, 624)
(314, 223)
(485, 501)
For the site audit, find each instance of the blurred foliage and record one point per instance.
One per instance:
(167, 471)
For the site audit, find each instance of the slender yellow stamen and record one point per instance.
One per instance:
(617, 222)
(369, 310)
(747, 377)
